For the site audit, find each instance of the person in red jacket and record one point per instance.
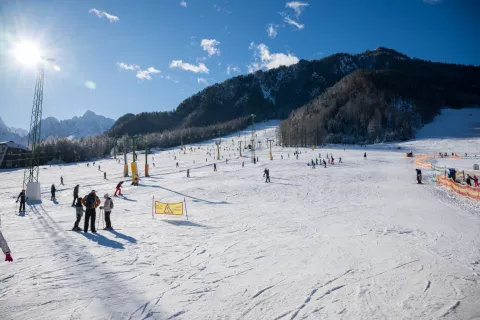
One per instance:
(475, 181)
(5, 248)
(118, 189)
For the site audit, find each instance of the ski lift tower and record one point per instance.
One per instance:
(218, 143)
(253, 139)
(30, 175)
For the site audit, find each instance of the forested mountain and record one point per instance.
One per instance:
(270, 95)
(370, 106)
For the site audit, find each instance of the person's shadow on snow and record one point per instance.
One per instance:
(103, 241)
(123, 236)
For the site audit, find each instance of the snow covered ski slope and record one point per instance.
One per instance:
(356, 240)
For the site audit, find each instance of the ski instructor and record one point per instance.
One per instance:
(91, 202)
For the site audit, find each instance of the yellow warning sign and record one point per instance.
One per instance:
(175, 209)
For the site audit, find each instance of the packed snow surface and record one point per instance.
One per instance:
(356, 240)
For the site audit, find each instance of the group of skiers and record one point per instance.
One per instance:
(91, 203)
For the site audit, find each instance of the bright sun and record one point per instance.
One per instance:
(27, 53)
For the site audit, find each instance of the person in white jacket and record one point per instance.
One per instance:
(5, 248)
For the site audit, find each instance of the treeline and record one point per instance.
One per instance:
(101, 146)
(376, 106)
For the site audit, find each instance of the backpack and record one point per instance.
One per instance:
(90, 202)
(111, 203)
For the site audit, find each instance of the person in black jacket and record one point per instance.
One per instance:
(91, 202)
(23, 199)
(419, 176)
(52, 190)
(75, 195)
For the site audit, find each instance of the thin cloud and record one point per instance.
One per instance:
(141, 74)
(183, 4)
(201, 68)
(294, 23)
(210, 46)
(202, 81)
(102, 14)
(272, 31)
(432, 1)
(297, 6)
(125, 66)
(266, 60)
(220, 9)
(232, 69)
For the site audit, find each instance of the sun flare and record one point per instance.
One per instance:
(27, 53)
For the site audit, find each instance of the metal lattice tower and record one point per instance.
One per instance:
(253, 139)
(32, 168)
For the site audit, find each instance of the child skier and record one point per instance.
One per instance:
(475, 181)
(419, 176)
(75, 194)
(79, 214)
(5, 248)
(118, 189)
(108, 206)
(23, 199)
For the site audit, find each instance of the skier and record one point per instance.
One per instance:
(324, 163)
(257, 159)
(61, 181)
(22, 198)
(365, 155)
(419, 176)
(316, 161)
(5, 248)
(214, 167)
(340, 160)
(265, 172)
(52, 191)
(79, 214)
(75, 194)
(281, 156)
(91, 202)
(177, 164)
(105, 175)
(468, 180)
(94, 163)
(475, 181)
(98, 167)
(188, 173)
(226, 161)
(332, 161)
(118, 189)
(243, 164)
(108, 206)
(267, 179)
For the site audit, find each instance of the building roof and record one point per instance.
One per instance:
(15, 145)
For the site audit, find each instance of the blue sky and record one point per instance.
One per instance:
(118, 56)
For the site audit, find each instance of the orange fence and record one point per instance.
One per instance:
(466, 191)
(443, 180)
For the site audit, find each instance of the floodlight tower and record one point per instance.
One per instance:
(30, 175)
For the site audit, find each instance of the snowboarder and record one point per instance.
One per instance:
(61, 181)
(475, 181)
(365, 155)
(79, 214)
(118, 189)
(105, 175)
(214, 167)
(419, 176)
(5, 248)
(52, 191)
(108, 206)
(91, 202)
(188, 173)
(23, 199)
(75, 194)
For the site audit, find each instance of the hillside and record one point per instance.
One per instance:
(370, 106)
(270, 95)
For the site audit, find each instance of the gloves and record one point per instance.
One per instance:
(8, 257)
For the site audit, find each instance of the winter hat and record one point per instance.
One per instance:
(106, 196)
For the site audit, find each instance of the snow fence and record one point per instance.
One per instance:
(463, 190)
